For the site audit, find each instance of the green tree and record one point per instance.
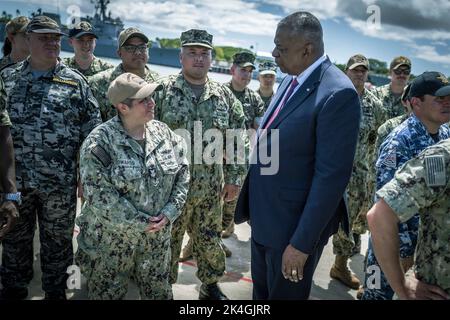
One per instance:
(169, 43)
(219, 54)
(378, 67)
(340, 66)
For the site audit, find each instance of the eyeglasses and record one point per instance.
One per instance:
(406, 72)
(135, 49)
(146, 100)
(47, 39)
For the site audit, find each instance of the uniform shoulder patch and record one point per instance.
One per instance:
(390, 160)
(101, 155)
(435, 171)
(64, 81)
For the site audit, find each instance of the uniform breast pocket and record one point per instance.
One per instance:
(166, 159)
(220, 117)
(125, 177)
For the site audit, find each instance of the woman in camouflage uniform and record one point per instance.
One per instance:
(135, 177)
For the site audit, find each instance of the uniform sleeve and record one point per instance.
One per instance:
(97, 84)
(102, 198)
(152, 77)
(91, 115)
(235, 166)
(259, 110)
(408, 191)
(4, 118)
(172, 209)
(392, 155)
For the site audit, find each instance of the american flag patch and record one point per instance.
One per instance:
(435, 171)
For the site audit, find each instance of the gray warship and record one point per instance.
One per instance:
(107, 28)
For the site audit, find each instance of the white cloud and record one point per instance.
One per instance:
(322, 9)
(429, 53)
(219, 17)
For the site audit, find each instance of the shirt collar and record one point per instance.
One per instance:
(307, 72)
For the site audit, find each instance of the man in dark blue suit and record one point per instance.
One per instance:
(296, 202)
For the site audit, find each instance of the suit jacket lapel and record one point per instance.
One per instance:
(275, 100)
(302, 93)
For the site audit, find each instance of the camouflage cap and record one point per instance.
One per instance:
(267, 67)
(129, 33)
(82, 28)
(196, 37)
(244, 59)
(400, 61)
(432, 83)
(43, 24)
(130, 86)
(356, 61)
(17, 25)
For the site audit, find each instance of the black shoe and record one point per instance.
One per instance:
(211, 292)
(13, 293)
(357, 248)
(56, 295)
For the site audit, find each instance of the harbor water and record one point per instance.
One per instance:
(165, 71)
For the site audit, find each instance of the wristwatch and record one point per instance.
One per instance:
(16, 197)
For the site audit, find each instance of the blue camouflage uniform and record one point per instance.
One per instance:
(403, 143)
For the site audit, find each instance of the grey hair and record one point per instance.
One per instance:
(306, 25)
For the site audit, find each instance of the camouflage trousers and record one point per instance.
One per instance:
(202, 219)
(55, 212)
(358, 205)
(228, 213)
(115, 259)
(408, 233)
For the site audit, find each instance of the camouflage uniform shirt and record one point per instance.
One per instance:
(251, 103)
(372, 116)
(392, 104)
(402, 144)
(266, 100)
(217, 108)
(6, 60)
(96, 66)
(423, 185)
(52, 115)
(124, 184)
(386, 128)
(100, 82)
(4, 118)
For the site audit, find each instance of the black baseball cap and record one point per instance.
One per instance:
(432, 83)
(80, 29)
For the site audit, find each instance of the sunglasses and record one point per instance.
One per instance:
(135, 49)
(406, 72)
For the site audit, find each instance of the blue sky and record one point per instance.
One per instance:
(415, 28)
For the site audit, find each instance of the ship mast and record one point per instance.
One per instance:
(100, 8)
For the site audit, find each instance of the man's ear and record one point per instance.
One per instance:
(308, 49)
(233, 68)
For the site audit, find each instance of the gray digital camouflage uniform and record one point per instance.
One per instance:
(4, 118)
(124, 186)
(52, 115)
(5, 61)
(217, 108)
